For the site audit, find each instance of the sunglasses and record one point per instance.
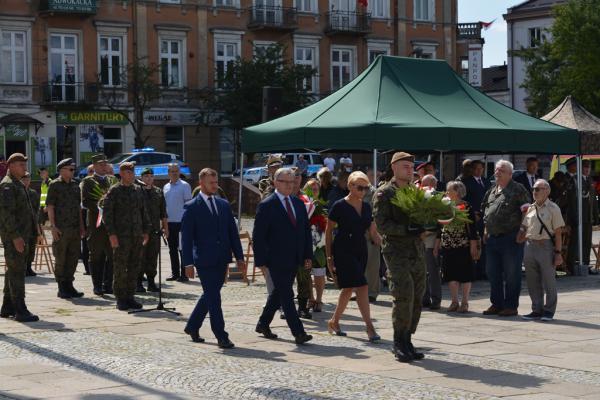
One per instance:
(362, 188)
(538, 189)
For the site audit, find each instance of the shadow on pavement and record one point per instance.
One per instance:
(286, 394)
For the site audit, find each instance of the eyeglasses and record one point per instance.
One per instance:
(361, 188)
(538, 189)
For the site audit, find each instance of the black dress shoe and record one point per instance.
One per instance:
(140, 288)
(265, 331)
(372, 299)
(183, 279)
(63, 291)
(152, 286)
(71, 289)
(172, 278)
(30, 272)
(303, 338)
(107, 290)
(98, 292)
(195, 335)
(226, 344)
(304, 314)
(435, 306)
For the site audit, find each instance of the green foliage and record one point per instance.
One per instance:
(320, 257)
(570, 63)
(238, 102)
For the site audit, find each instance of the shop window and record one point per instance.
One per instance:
(113, 141)
(174, 140)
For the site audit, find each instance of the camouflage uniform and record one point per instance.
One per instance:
(404, 255)
(125, 216)
(97, 238)
(157, 210)
(266, 187)
(17, 220)
(65, 198)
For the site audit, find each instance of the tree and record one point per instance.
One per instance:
(570, 63)
(138, 80)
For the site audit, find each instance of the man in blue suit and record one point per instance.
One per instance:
(477, 186)
(282, 241)
(208, 236)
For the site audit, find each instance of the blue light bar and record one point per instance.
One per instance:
(144, 149)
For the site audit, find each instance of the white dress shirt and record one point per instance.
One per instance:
(207, 202)
(176, 195)
(282, 200)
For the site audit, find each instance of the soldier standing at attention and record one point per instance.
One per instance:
(34, 198)
(66, 221)
(157, 212)
(404, 255)
(267, 185)
(17, 226)
(127, 224)
(92, 189)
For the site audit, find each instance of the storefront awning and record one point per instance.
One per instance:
(20, 119)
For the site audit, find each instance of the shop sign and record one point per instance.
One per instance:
(91, 118)
(170, 118)
(72, 6)
(475, 66)
(17, 132)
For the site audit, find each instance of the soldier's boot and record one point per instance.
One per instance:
(63, 291)
(152, 286)
(134, 304)
(22, 314)
(72, 291)
(29, 271)
(139, 288)
(303, 311)
(400, 349)
(122, 304)
(416, 355)
(8, 308)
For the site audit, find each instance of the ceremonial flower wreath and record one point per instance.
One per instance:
(317, 215)
(427, 208)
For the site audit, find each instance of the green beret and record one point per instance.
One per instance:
(147, 171)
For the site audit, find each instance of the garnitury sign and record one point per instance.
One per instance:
(74, 6)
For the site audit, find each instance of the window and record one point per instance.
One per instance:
(110, 60)
(535, 37)
(113, 141)
(227, 150)
(305, 55)
(226, 54)
(307, 6)
(174, 140)
(170, 1)
(64, 68)
(426, 50)
(379, 8)
(227, 3)
(424, 10)
(171, 63)
(464, 67)
(260, 47)
(342, 67)
(13, 56)
(377, 48)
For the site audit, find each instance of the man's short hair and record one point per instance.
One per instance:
(542, 182)
(531, 159)
(505, 164)
(207, 172)
(284, 171)
(431, 178)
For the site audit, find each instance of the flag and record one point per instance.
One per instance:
(487, 25)
(363, 3)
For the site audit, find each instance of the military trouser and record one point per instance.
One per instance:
(16, 264)
(303, 283)
(126, 264)
(31, 250)
(149, 258)
(66, 255)
(100, 257)
(406, 276)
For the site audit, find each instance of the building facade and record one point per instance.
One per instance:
(60, 58)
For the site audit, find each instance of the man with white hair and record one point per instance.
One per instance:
(502, 208)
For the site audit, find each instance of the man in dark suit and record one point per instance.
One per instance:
(477, 186)
(529, 177)
(208, 236)
(282, 241)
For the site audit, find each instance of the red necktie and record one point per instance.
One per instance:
(290, 213)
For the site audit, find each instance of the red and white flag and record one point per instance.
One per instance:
(487, 25)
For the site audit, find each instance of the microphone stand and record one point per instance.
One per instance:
(160, 306)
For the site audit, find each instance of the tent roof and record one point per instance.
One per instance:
(572, 115)
(412, 104)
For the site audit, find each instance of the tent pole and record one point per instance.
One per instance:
(240, 192)
(579, 209)
(441, 166)
(375, 167)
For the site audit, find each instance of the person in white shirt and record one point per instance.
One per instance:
(177, 192)
(329, 163)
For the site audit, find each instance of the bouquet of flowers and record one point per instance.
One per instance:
(427, 208)
(318, 222)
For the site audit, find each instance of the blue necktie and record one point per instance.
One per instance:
(213, 207)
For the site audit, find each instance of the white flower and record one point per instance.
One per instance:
(446, 201)
(429, 193)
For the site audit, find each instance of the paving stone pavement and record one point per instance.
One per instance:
(86, 349)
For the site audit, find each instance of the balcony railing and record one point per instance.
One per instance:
(69, 93)
(348, 22)
(469, 30)
(262, 17)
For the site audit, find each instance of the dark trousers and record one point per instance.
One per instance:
(174, 253)
(100, 258)
(212, 279)
(85, 252)
(282, 296)
(504, 259)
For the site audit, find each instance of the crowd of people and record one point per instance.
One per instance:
(343, 227)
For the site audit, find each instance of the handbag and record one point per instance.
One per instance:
(544, 227)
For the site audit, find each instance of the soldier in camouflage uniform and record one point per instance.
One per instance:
(404, 255)
(157, 212)
(17, 226)
(266, 185)
(66, 221)
(92, 189)
(127, 224)
(34, 198)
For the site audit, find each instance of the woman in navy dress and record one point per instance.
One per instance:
(347, 253)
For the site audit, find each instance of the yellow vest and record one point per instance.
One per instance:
(44, 193)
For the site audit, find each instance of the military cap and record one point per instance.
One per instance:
(402, 156)
(127, 165)
(423, 165)
(571, 160)
(99, 158)
(16, 157)
(67, 162)
(274, 160)
(147, 171)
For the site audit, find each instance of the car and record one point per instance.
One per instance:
(315, 162)
(144, 158)
(253, 175)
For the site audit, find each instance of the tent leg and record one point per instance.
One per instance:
(239, 215)
(579, 209)
(375, 167)
(441, 166)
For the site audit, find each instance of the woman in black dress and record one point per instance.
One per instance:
(458, 246)
(347, 253)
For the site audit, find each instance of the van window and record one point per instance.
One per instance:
(316, 159)
(289, 159)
